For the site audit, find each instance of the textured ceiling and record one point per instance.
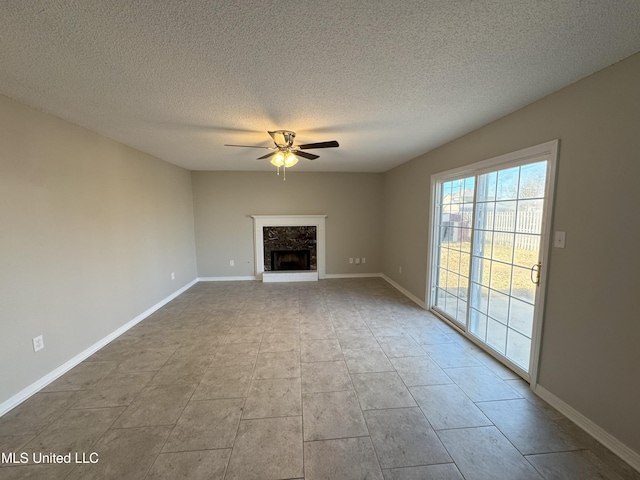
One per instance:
(389, 80)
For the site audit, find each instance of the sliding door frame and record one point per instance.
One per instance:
(516, 158)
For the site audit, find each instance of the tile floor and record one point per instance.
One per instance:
(337, 379)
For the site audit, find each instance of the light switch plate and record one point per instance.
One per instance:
(560, 239)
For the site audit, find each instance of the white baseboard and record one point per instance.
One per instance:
(404, 291)
(597, 432)
(353, 275)
(38, 385)
(226, 279)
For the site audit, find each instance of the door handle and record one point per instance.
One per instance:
(535, 270)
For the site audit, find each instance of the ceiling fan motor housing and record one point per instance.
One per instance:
(287, 138)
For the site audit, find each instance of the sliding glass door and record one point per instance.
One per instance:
(488, 242)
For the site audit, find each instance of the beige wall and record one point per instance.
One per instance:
(224, 201)
(90, 231)
(591, 341)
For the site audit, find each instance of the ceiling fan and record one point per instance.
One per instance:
(285, 152)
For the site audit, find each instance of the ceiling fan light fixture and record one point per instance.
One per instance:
(278, 159)
(290, 160)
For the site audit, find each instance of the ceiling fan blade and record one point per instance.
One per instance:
(310, 156)
(308, 146)
(267, 155)
(246, 146)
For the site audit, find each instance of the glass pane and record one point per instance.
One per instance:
(452, 283)
(463, 287)
(454, 233)
(464, 264)
(457, 191)
(465, 239)
(451, 305)
(518, 349)
(446, 190)
(521, 317)
(479, 297)
(500, 277)
(482, 243)
(440, 299)
(503, 247)
(454, 261)
(505, 220)
(478, 324)
(485, 213)
(442, 278)
(487, 187)
(483, 271)
(497, 335)
(529, 216)
(462, 309)
(522, 287)
(499, 306)
(507, 188)
(526, 250)
(532, 180)
(469, 186)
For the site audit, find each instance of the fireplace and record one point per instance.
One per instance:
(291, 233)
(290, 240)
(283, 260)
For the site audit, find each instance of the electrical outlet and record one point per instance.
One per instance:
(350, 260)
(173, 276)
(38, 343)
(357, 261)
(232, 263)
(364, 260)
(399, 269)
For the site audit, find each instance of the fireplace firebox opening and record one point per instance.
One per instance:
(283, 260)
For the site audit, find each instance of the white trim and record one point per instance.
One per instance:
(261, 221)
(226, 279)
(597, 432)
(38, 385)
(519, 157)
(405, 292)
(353, 275)
(545, 257)
(282, 277)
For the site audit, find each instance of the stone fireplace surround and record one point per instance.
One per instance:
(290, 241)
(261, 221)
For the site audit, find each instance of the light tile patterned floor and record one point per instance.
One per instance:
(337, 379)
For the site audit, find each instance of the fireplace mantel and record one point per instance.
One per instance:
(261, 221)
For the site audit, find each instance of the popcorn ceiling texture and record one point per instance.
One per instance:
(389, 80)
